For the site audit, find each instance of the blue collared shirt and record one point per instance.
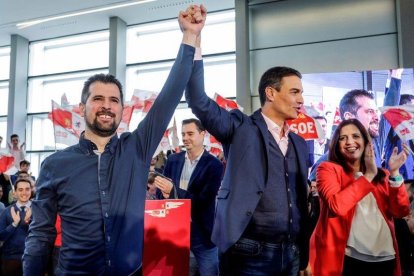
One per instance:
(100, 197)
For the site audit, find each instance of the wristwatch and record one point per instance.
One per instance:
(397, 178)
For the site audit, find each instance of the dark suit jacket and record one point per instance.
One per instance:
(311, 147)
(202, 190)
(246, 148)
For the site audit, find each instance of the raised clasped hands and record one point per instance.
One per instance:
(397, 159)
(191, 23)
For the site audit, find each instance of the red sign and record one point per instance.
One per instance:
(167, 237)
(306, 127)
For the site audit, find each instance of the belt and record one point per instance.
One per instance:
(273, 239)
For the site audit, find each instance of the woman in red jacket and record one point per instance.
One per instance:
(355, 232)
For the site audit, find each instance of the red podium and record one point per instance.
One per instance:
(167, 237)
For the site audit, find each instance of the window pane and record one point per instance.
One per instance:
(181, 113)
(220, 76)
(36, 159)
(69, 54)
(143, 41)
(41, 133)
(4, 63)
(3, 131)
(44, 89)
(4, 98)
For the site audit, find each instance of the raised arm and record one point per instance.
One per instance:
(151, 129)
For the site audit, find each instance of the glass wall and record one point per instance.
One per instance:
(57, 69)
(4, 92)
(152, 47)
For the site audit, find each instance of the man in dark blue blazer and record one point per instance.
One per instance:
(261, 215)
(317, 148)
(195, 174)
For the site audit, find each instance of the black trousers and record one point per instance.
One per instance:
(354, 267)
(12, 267)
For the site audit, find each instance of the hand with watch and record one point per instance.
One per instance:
(395, 162)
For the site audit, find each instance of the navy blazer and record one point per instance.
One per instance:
(246, 148)
(311, 148)
(202, 190)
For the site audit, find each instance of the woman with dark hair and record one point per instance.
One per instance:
(355, 232)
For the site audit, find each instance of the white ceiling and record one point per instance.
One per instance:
(16, 11)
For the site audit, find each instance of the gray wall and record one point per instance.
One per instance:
(324, 36)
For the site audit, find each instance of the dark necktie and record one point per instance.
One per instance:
(22, 213)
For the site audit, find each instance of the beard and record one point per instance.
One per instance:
(101, 130)
(373, 133)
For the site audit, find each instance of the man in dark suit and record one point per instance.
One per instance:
(318, 147)
(195, 174)
(261, 215)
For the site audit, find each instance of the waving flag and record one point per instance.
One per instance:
(6, 161)
(306, 127)
(401, 119)
(226, 103)
(126, 118)
(67, 124)
(212, 145)
(143, 99)
(174, 137)
(337, 117)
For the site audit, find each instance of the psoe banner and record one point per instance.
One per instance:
(167, 237)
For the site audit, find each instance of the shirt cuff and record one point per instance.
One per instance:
(396, 184)
(197, 54)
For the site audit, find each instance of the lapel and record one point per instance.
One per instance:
(198, 169)
(299, 153)
(180, 166)
(258, 120)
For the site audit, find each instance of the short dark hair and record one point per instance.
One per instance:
(335, 154)
(349, 104)
(14, 136)
(406, 99)
(22, 179)
(104, 78)
(273, 78)
(24, 162)
(197, 122)
(320, 118)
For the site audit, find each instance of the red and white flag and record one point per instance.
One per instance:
(337, 118)
(306, 127)
(68, 125)
(226, 103)
(175, 142)
(143, 99)
(212, 145)
(401, 119)
(126, 118)
(6, 161)
(164, 143)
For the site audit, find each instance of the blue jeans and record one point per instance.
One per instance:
(250, 257)
(207, 258)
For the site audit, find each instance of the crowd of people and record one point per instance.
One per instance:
(267, 208)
